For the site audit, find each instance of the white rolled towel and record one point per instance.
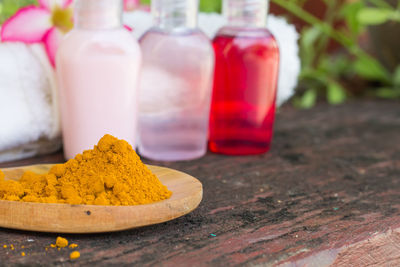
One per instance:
(28, 109)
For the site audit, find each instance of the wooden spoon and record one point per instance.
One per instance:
(187, 193)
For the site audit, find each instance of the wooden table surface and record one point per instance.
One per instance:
(327, 193)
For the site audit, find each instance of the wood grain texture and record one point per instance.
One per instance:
(187, 193)
(326, 194)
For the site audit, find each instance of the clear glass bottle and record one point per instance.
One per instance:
(245, 84)
(98, 66)
(176, 83)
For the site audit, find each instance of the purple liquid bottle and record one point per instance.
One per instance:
(176, 84)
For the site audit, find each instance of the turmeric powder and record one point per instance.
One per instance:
(61, 242)
(74, 255)
(73, 245)
(109, 174)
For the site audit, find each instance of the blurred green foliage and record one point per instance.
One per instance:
(8, 7)
(332, 76)
(210, 5)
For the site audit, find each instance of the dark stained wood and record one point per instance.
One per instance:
(327, 193)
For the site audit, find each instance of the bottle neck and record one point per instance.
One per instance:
(246, 13)
(98, 14)
(175, 15)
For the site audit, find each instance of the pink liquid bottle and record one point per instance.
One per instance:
(98, 66)
(245, 83)
(176, 84)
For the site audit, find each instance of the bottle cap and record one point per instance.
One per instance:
(174, 14)
(246, 13)
(98, 14)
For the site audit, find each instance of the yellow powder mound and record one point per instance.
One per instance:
(109, 174)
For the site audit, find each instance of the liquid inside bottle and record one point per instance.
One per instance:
(98, 67)
(176, 83)
(246, 74)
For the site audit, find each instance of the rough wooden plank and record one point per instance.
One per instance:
(327, 193)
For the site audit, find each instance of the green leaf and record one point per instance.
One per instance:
(336, 94)
(388, 93)
(337, 65)
(374, 16)
(316, 74)
(308, 100)
(350, 12)
(369, 68)
(210, 5)
(309, 36)
(307, 45)
(396, 77)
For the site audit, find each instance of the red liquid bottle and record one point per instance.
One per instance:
(245, 83)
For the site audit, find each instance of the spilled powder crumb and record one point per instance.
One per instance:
(74, 255)
(61, 242)
(73, 245)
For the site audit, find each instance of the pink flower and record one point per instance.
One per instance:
(130, 5)
(45, 23)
